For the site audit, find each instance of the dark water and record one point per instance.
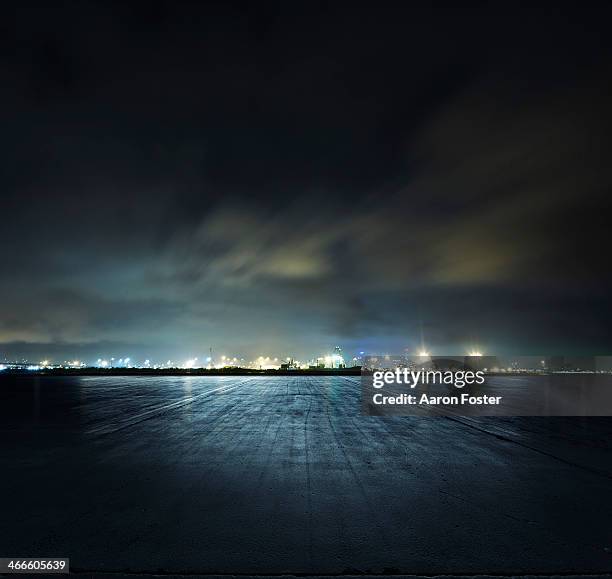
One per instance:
(283, 474)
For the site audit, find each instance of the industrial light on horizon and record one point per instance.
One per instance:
(190, 363)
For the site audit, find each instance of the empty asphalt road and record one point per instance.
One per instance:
(283, 474)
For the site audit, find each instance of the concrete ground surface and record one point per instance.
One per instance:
(273, 475)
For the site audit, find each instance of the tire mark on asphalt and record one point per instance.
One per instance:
(125, 483)
(154, 412)
(308, 487)
(506, 438)
(356, 478)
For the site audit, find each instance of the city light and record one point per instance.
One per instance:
(334, 360)
(190, 363)
(266, 363)
(331, 361)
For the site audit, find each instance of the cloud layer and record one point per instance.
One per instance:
(366, 188)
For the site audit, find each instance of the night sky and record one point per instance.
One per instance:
(277, 178)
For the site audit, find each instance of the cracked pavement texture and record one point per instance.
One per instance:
(261, 475)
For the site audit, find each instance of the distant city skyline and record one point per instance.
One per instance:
(331, 359)
(206, 356)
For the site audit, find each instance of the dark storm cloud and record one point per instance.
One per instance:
(284, 178)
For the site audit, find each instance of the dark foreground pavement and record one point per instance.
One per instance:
(215, 475)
